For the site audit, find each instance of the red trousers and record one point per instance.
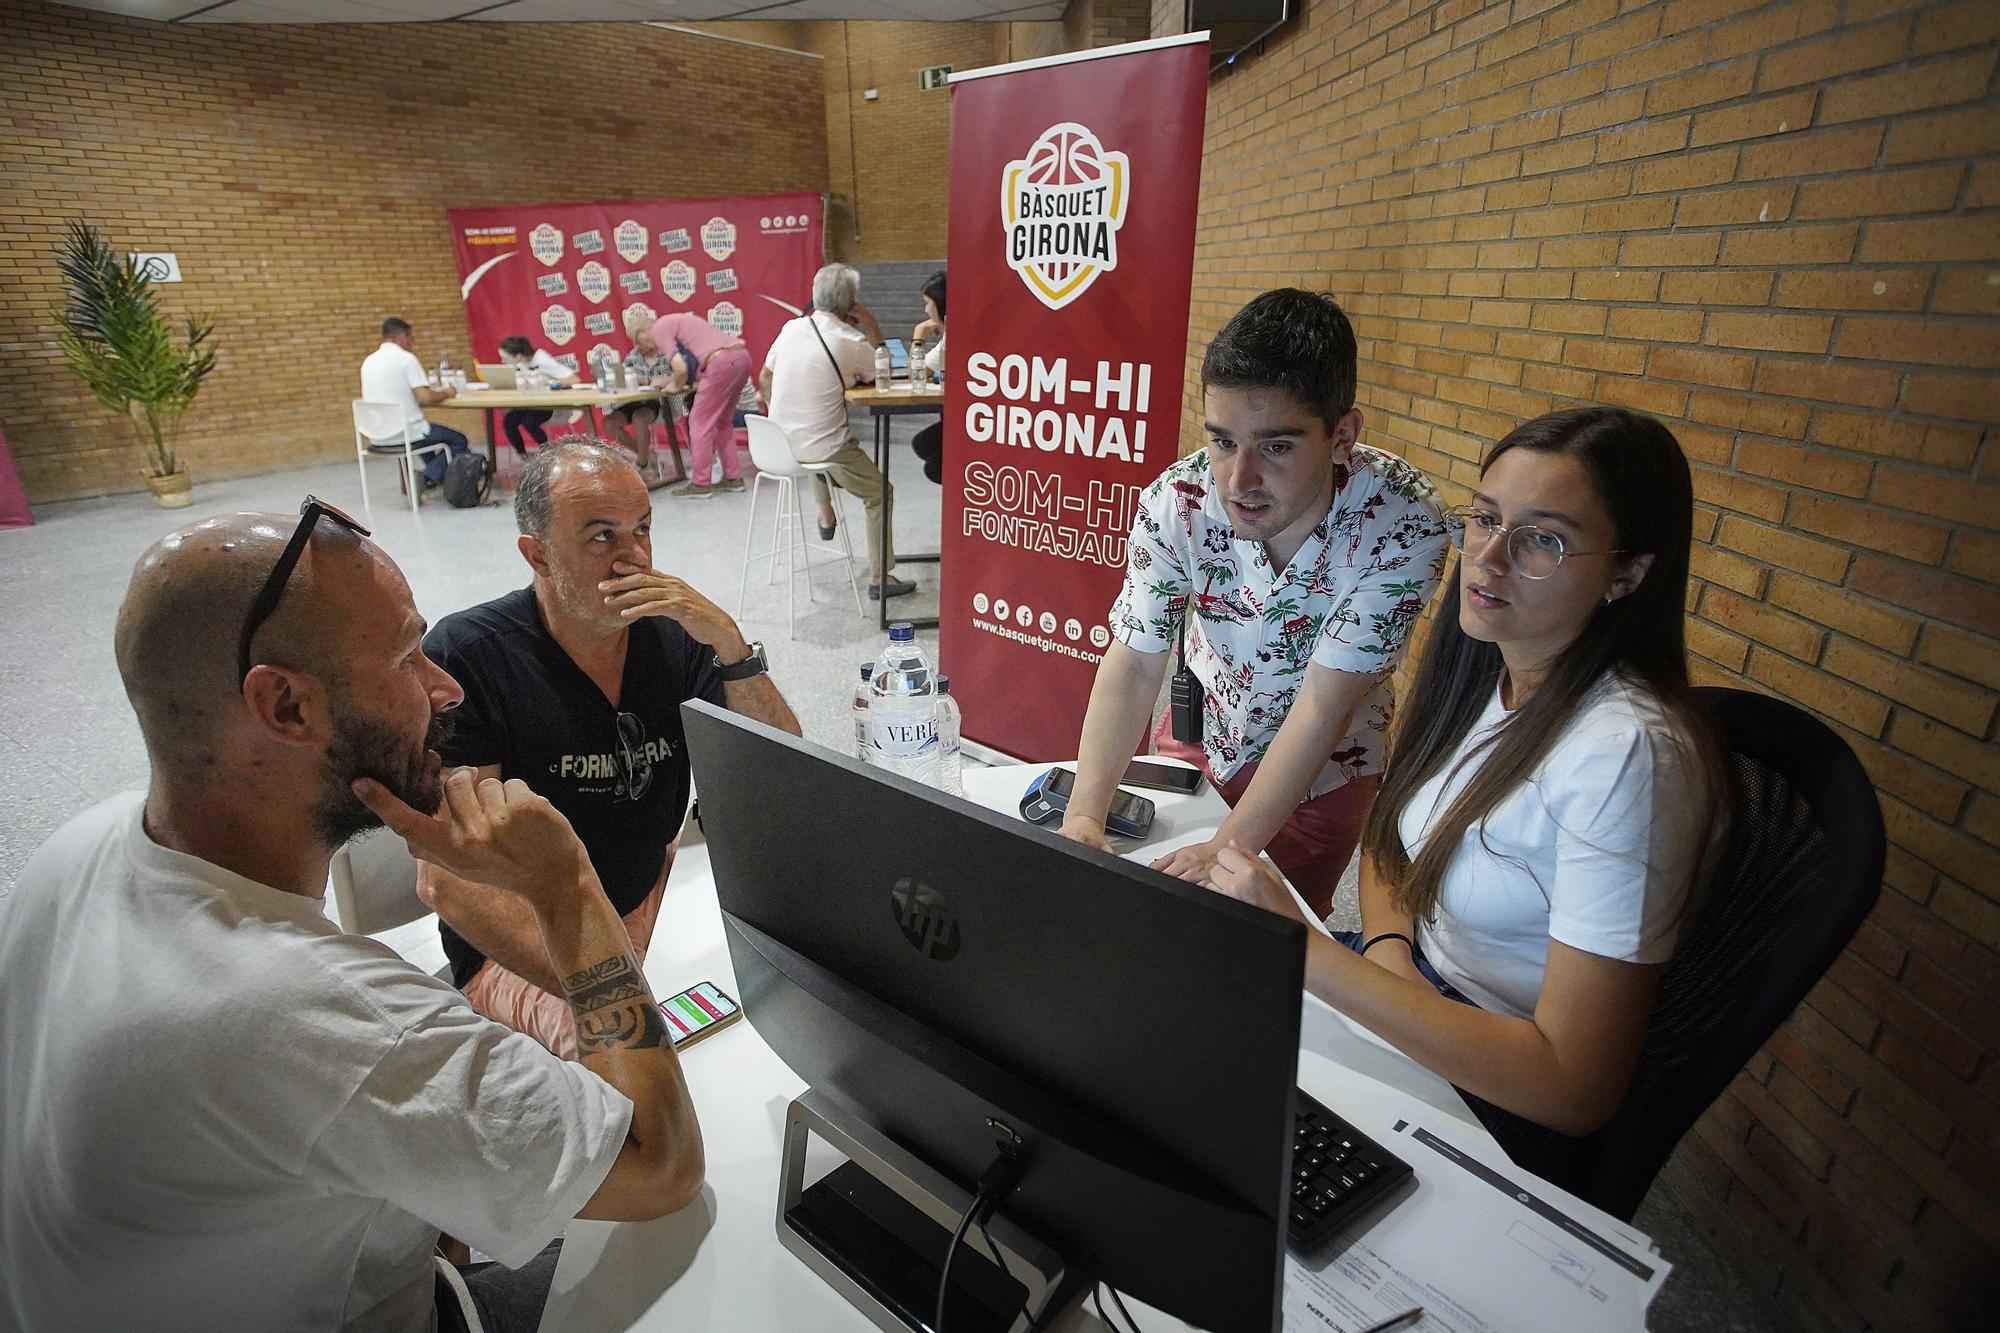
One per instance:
(1315, 844)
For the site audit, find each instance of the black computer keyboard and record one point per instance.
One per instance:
(1338, 1173)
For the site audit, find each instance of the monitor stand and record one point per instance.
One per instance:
(876, 1228)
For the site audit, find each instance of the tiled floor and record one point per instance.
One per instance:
(67, 738)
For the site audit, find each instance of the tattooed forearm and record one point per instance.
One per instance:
(613, 1008)
(636, 1025)
(617, 965)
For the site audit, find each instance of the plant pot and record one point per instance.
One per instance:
(175, 490)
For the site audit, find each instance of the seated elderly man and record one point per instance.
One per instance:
(221, 1112)
(806, 375)
(575, 683)
(632, 424)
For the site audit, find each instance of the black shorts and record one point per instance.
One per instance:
(624, 413)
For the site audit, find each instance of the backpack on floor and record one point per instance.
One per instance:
(467, 480)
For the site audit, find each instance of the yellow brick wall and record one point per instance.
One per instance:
(302, 174)
(1775, 224)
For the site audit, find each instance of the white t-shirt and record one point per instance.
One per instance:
(221, 1112)
(549, 366)
(807, 398)
(1596, 849)
(388, 375)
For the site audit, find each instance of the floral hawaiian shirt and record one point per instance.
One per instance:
(1346, 601)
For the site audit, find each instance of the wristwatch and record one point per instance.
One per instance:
(753, 665)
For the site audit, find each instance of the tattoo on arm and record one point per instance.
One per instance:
(613, 1008)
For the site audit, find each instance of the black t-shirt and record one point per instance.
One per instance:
(531, 709)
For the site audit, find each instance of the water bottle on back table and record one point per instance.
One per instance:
(860, 711)
(902, 709)
(920, 373)
(951, 759)
(884, 370)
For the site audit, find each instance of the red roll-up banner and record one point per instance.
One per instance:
(1073, 190)
(563, 275)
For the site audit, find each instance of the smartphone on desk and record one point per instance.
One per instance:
(1048, 796)
(1162, 777)
(696, 1012)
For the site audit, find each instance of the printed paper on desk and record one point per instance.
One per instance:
(1482, 1249)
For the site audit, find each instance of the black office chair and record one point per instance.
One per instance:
(1803, 869)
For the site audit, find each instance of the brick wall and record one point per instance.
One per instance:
(889, 177)
(302, 174)
(1776, 225)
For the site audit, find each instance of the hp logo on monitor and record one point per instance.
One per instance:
(921, 916)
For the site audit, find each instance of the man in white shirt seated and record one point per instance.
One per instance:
(221, 1112)
(392, 374)
(811, 364)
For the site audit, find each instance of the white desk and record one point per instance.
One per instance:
(717, 1266)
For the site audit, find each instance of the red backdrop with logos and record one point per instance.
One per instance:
(563, 275)
(1073, 191)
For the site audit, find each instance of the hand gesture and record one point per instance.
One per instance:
(636, 592)
(1191, 863)
(1250, 878)
(488, 832)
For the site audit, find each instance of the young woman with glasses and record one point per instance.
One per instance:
(1553, 788)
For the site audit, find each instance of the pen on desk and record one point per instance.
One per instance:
(1410, 1315)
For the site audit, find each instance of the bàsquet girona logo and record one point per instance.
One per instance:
(1062, 205)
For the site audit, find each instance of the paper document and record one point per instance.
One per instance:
(1483, 1247)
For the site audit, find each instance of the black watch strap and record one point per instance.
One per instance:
(753, 665)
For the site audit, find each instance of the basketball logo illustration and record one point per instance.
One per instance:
(1062, 205)
(629, 240)
(593, 282)
(545, 243)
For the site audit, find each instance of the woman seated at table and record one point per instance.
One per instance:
(526, 356)
(1543, 821)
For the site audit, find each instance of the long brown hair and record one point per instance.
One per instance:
(1639, 473)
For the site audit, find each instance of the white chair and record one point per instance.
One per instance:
(374, 883)
(771, 451)
(373, 421)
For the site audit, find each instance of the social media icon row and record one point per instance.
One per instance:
(1024, 616)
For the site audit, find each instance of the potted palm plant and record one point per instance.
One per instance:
(115, 337)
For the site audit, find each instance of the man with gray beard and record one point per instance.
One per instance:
(218, 1110)
(574, 684)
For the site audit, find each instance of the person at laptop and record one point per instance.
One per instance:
(812, 363)
(392, 374)
(1546, 811)
(526, 356)
(1306, 557)
(632, 424)
(928, 443)
(574, 684)
(221, 1112)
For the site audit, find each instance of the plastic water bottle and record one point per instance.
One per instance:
(902, 709)
(920, 373)
(444, 371)
(884, 371)
(951, 760)
(861, 714)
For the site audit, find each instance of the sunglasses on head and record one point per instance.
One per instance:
(274, 586)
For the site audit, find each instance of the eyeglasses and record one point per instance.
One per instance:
(274, 586)
(1534, 552)
(633, 764)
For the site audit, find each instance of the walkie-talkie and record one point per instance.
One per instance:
(1187, 695)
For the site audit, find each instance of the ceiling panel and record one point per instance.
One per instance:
(574, 11)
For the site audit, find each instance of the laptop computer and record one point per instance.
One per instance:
(499, 377)
(899, 355)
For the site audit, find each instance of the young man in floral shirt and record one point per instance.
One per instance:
(1307, 557)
